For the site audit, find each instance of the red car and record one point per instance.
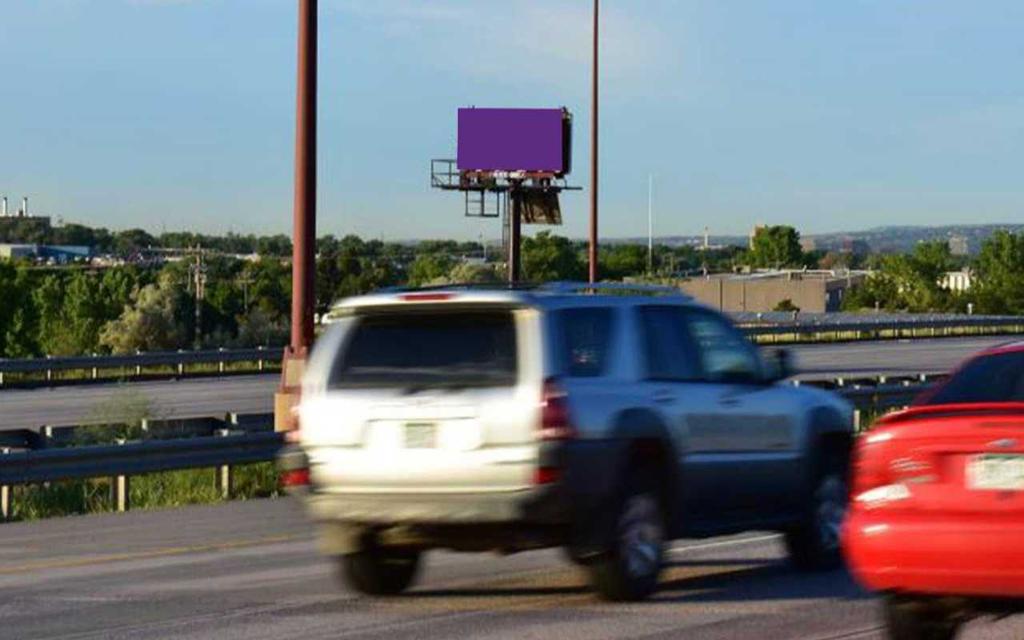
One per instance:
(936, 520)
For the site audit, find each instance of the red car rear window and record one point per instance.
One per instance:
(993, 378)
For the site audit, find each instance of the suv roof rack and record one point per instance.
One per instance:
(618, 287)
(468, 286)
(560, 287)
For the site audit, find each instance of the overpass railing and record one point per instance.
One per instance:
(769, 328)
(774, 328)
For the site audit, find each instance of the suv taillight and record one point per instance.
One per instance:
(555, 426)
(555, 423)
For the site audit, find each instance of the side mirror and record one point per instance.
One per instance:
(780, 365)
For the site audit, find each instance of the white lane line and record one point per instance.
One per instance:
(725, 543)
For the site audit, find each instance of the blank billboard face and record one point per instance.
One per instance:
(512, 140)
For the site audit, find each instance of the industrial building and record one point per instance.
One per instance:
(762, 291)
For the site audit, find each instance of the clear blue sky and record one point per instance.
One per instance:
(825, 115)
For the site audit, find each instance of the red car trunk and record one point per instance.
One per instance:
(938, 490)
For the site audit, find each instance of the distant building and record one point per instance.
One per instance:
(958, 245)
(59, 254)
(810, 291)
(957, 281)
(808, 244)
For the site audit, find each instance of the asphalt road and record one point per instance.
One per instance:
(31, 408)
(249, 570)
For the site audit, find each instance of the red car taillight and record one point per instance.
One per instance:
(870, 463)
(555, 426)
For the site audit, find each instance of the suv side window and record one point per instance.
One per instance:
(726, 355)
(669, 350)
(586, 338)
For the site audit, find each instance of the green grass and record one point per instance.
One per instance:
(152, 491)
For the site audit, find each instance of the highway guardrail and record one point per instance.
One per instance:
(32, 456)
(180, 363)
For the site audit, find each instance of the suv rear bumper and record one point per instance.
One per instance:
(536, 505)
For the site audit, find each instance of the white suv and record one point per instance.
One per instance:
(600, 421)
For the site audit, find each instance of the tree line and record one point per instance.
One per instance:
(73, 310)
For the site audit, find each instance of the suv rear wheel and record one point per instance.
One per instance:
(379, 571)
(630, 569)
(911, 619)
(814, 543)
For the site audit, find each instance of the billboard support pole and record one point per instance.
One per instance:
(515, 236)
(592, 251)
(304, 220)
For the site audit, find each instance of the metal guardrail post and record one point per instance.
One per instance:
(225, 475)
(120, 490)
(5, 495)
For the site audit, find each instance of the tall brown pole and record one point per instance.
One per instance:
(592, 252)
(304, 223)
(304, 234)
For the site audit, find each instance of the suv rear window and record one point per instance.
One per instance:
(995, 378)
(450, 348)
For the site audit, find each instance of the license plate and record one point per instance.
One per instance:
(996, 472)
(420, 436)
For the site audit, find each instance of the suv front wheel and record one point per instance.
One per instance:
(630, 569)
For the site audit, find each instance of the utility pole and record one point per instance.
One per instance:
(592, 252)
(650, 224)
(304, 223)
(199, 277)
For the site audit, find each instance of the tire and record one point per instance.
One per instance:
(379, 571)
(813, 545)
(910, 619)
(630, 569)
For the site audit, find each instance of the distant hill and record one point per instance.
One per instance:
(891, 239)
(900, 239)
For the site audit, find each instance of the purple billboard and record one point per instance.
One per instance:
(514, 140)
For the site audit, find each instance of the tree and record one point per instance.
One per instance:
(548, 257)
(278, 245)
(999, 283)
(786, 305)
(131, 240)
(907, 282)
(18, 317)
(468, 273)
(620, 261)
(153, 322)
(776, 247)
(428, 267)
